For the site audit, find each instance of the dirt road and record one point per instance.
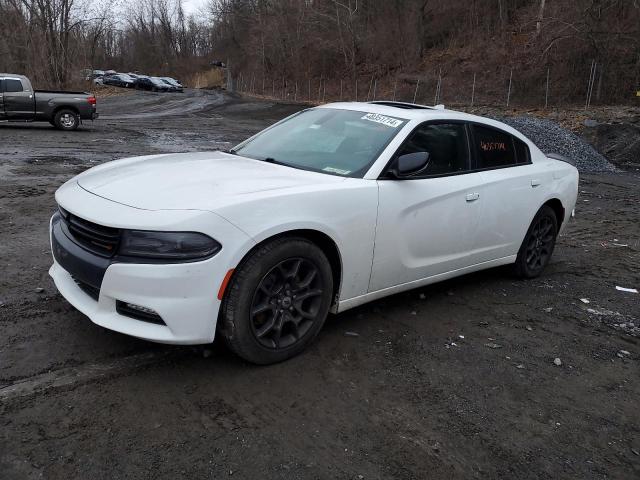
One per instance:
(456, 380)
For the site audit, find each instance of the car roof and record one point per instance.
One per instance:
(12, 75)
(421, 113)
(407, 111)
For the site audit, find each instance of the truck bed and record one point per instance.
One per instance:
(59, 92)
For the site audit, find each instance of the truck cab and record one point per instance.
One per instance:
(16, 98)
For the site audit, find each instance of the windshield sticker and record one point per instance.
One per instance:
(339, 171)
(384, 120)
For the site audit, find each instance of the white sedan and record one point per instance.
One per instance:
(328, 209)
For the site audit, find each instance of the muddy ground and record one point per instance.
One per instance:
(408, 397)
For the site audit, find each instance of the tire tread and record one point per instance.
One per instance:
(520, 267)
(240, 344)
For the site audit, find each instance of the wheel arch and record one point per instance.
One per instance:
(557, 207)
(65, 107)
(328, 246)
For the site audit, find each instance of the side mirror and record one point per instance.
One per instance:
(410, 164)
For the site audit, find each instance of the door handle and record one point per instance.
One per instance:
(535, 182)
(472, 197)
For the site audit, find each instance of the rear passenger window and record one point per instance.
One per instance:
(12, 85)
(493, 148)
(522, 151)
(446, 144)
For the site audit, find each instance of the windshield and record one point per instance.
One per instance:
(327, 140)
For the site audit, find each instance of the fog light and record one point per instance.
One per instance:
(138, 312)
(140, 308)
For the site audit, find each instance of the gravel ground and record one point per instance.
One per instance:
(552, 138)
(483, 376)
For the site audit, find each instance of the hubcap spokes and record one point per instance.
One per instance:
(286, 303)
(540, 242)
(67, 120)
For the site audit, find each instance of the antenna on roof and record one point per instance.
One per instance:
(439, 106)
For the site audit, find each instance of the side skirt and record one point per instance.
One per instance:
(368, 297)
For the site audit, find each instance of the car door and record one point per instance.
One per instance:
(18, 101)
(512, 193)
(426, 225)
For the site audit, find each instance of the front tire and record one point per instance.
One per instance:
(277, 301)
(66, 119)
(538, 244)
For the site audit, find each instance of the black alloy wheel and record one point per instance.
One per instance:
(538, 244)
(277, 300)
(286, 303)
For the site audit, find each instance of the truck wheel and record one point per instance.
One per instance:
(66, 120)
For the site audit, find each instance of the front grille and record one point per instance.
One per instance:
(90, 290)
(96, 238)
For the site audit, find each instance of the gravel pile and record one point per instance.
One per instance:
(552, 138)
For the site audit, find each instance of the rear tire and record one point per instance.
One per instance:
(66, 119)
(277, 301)
(538, 244)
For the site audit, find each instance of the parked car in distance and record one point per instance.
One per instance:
(152, 83)
(19, 102)
(172, 88)
(329, 209)
(119, 80)
(93, 74)
(174, 83)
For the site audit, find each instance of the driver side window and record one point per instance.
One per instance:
(446, 144)
(11, 85)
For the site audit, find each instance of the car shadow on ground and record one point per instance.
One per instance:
(335, 325)
(41, 126)
(442, 290)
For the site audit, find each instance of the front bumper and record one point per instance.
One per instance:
(184, 295)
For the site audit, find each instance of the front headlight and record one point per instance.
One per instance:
(169, 246)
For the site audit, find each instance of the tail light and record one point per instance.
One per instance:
(91, 100)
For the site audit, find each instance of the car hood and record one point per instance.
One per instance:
(203, 181)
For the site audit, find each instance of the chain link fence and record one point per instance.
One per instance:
(586, 84)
